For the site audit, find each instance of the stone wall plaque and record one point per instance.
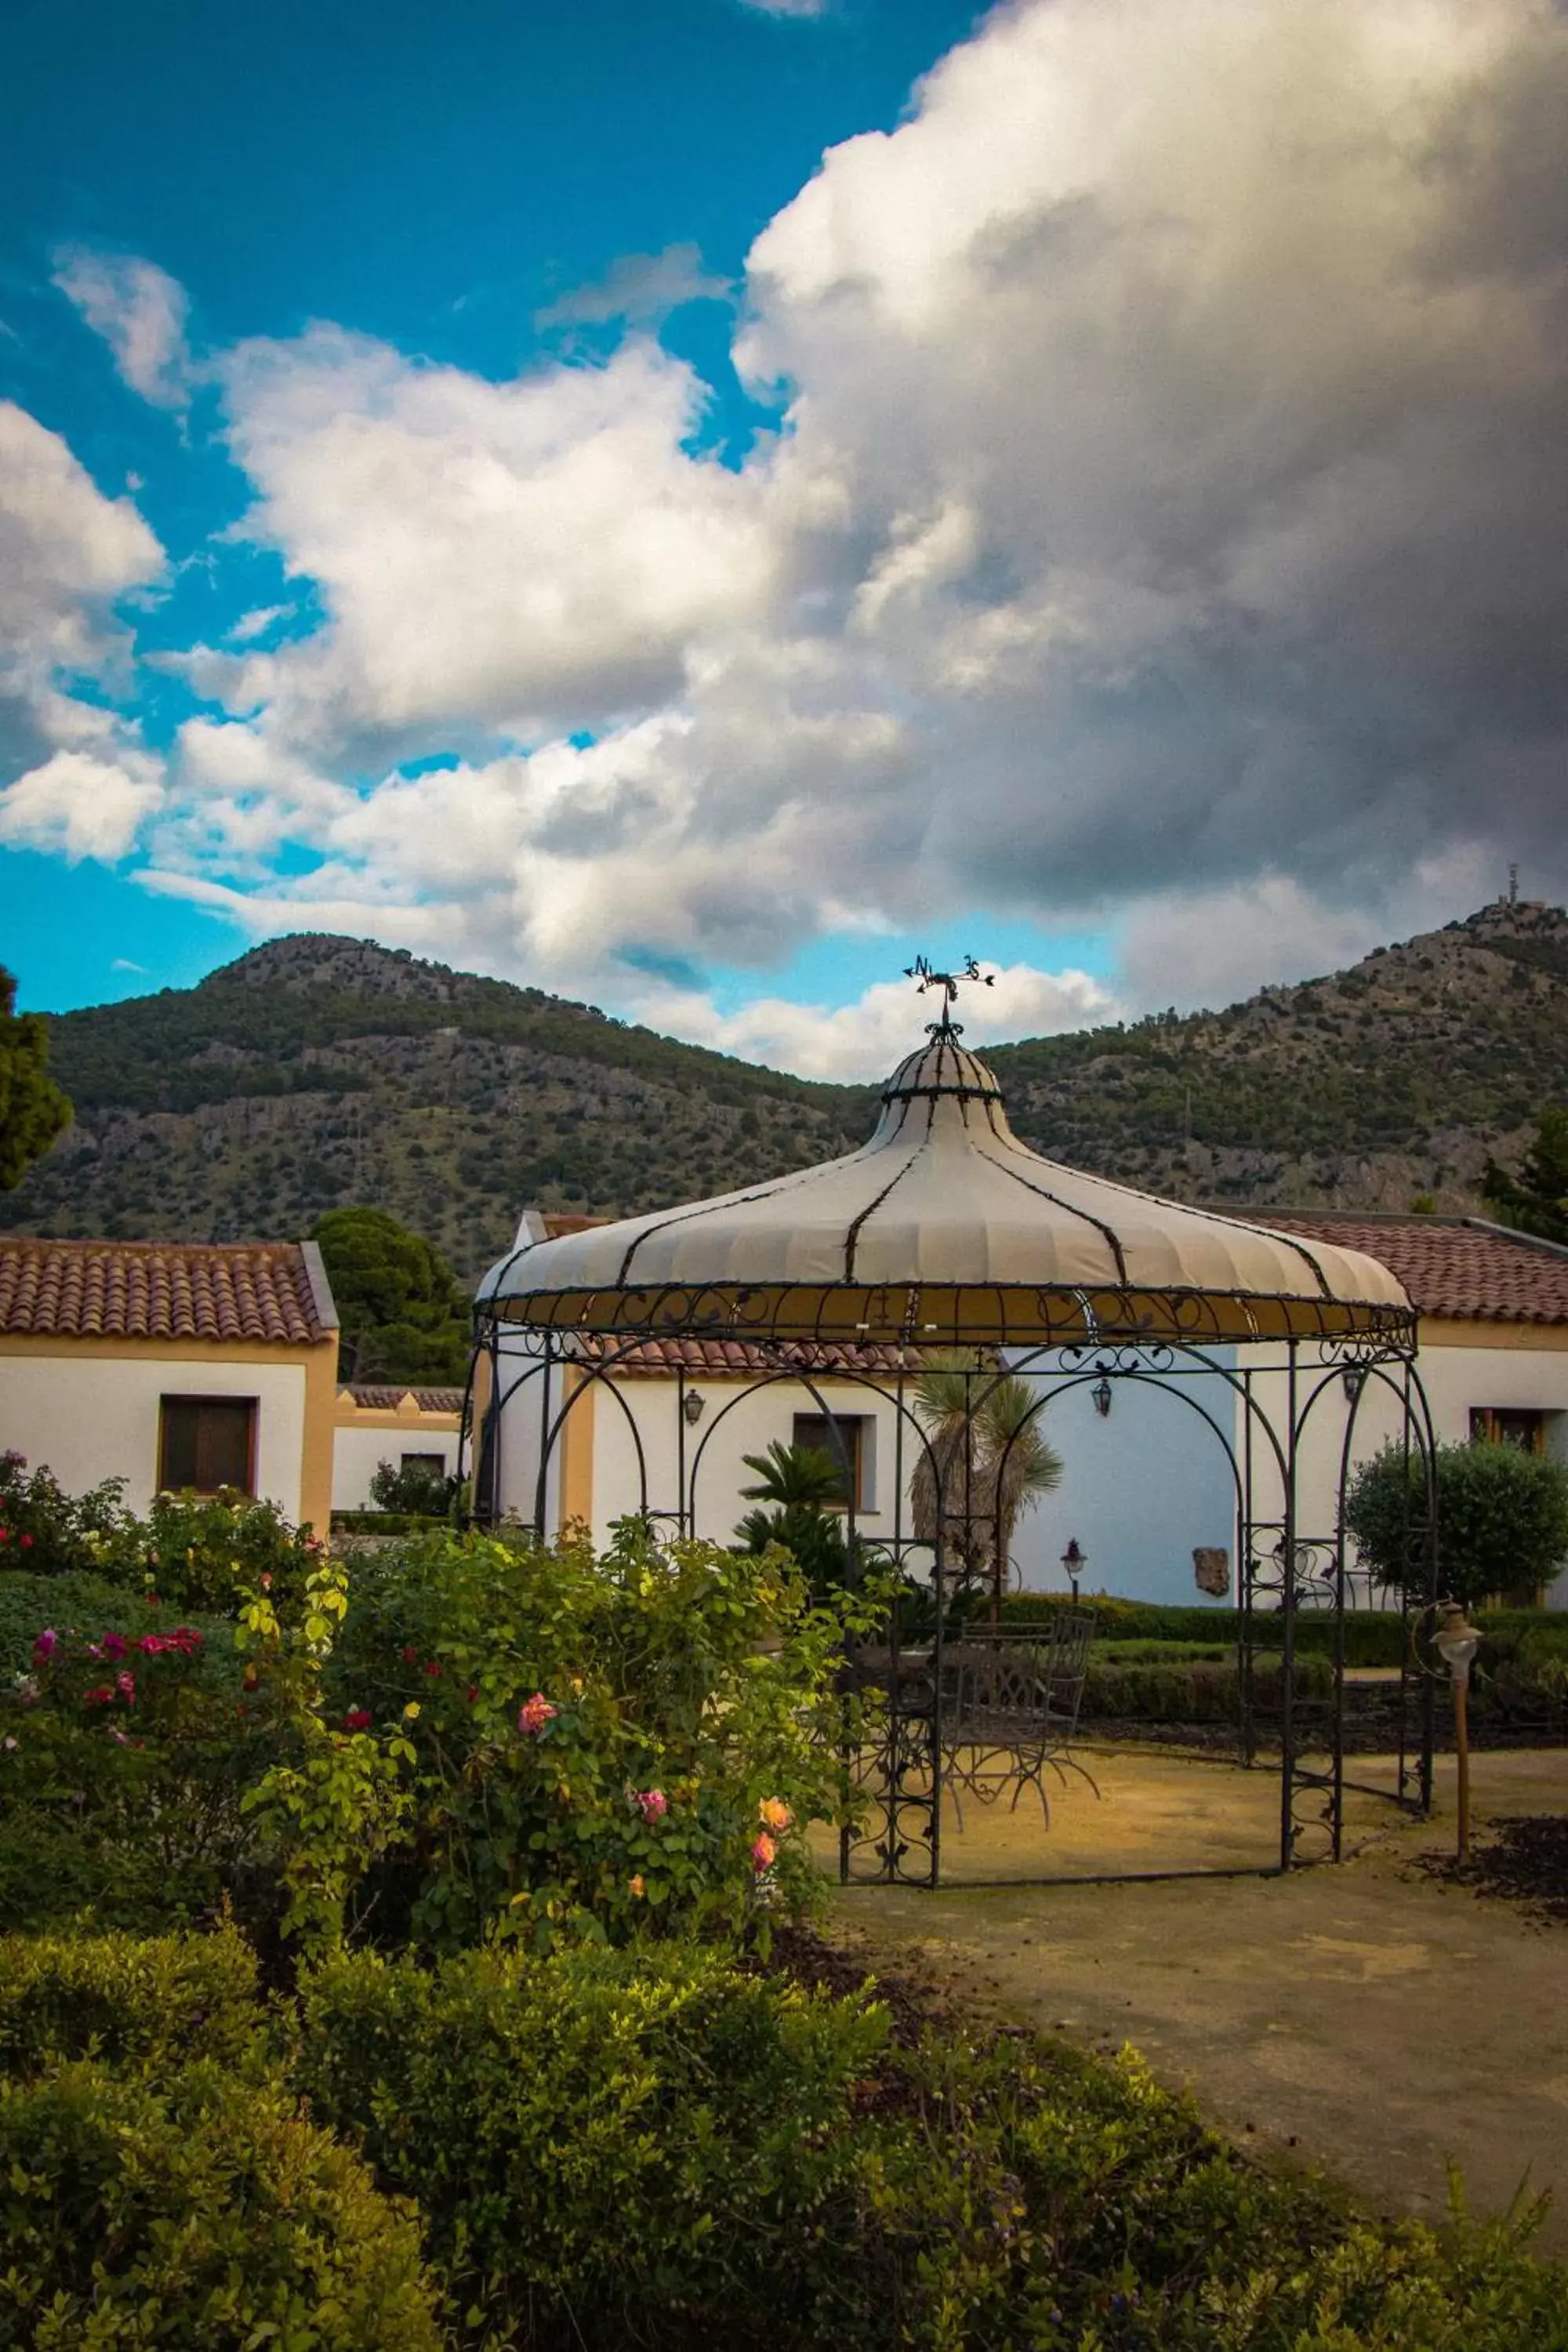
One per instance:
(1211, 1569)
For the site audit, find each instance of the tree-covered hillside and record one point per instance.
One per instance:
(317, 1073)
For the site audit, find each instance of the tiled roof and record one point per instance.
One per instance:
(716, 1358)
(1459, 1268)
(164, 1290)
(387, 1398)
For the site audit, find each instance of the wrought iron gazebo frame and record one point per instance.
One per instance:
(1344, 1338)
(1172, 1342)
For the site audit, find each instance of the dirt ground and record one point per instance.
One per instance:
(1364, 2019)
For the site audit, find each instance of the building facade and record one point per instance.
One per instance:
(391, 1423)
(172, 1365)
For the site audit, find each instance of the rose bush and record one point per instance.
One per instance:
(617, 1745)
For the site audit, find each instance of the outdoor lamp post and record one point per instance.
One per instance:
(693, 1406)
(1458, 1641)
(1075, 1562)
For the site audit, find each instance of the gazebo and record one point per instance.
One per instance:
(945, 1237)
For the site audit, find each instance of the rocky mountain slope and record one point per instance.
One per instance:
(316, 1072)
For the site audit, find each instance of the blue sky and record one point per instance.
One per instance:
(689, 504)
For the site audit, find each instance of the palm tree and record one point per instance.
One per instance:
(986, 1462)
(803, 1484)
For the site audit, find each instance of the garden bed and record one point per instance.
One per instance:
(1523, 1862)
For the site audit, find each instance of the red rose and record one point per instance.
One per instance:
(358, 1718)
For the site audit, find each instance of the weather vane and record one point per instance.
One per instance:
(925, 977)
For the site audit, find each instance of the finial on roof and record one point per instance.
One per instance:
(925, 977)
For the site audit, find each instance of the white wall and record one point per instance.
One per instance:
(90, 1418)
(358, 1454)
(737, 1419)
(1456, 1378)
(1142, 1485)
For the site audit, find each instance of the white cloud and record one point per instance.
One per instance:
(66, 553)
(80, 806)
(512, 557)
(788, 7)
(638, 288)
(867, 1039)
(1212, 948)
(140, 312)
(1164, 523)
(255, 624)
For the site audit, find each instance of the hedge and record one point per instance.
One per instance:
(202, 2213)
(1195, 1690)
(135, 2002)
(1374, 1637)
(616, 2150)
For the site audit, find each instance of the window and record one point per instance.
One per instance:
(1508, 1425)
(855, 1433)
(436, 1463)
(206, 1443)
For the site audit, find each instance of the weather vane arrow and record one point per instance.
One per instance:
(925, 976)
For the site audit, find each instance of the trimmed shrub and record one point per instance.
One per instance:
(126, 2000)
(1195, 1690)
(1374, 1637)
(657, 2151)
(619, 2135)
(201, 2214)
(1502, 1518)
(74, 1601)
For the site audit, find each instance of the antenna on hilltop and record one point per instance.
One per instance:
(1513, 886)
(921, 973)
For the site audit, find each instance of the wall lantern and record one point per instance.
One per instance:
(1074, 1562)
(1101, 1393)
(1354, 1380)
(693, 1406)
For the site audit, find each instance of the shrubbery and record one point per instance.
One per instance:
(664, 2151)
(196, 1551)
(203, 2214)
(528, 1816)
(626, 1744)
(1502, 1519)
(415, 1490)
(126, 1751)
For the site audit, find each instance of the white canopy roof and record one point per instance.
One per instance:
(944, 1227)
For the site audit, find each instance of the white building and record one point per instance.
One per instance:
(172, 1365)
(393, 1423)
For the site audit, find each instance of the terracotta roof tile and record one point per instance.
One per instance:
(390, 1395)
(159, 1290)
(1459, 1268)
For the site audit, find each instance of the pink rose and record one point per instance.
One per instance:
(47, 1643)
(764, 1853)
(652, 1803)
(534, 1714)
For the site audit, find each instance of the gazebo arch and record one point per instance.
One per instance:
(946, 1236)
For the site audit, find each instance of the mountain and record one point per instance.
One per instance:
(316, 1072)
